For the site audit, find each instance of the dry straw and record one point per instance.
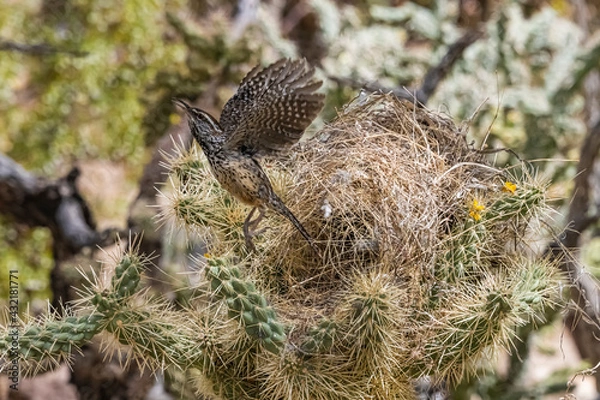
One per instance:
(381, 189)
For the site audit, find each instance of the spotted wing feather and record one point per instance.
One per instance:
(272, 108)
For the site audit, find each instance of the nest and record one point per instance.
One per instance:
(379, 189)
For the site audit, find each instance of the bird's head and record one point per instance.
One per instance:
(204, 128)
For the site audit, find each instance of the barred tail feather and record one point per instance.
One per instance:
(277, 205)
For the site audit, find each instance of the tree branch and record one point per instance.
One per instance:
(55, 204)
(432, 79)
(584, 322)
(38, 49)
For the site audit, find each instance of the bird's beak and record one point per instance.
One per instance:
(181, 104)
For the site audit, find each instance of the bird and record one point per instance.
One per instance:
(269, 112)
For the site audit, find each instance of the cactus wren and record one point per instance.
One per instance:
(268, 113)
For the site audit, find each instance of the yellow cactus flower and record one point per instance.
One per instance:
(476, 209)
(509, 187)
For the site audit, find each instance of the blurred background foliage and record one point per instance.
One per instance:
(67, 106)
(97, 90)
(102, 94)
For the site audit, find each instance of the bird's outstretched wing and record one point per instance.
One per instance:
(271, 108)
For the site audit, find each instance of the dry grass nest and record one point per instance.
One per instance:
(379, 189)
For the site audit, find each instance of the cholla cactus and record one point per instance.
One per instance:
(426, 270)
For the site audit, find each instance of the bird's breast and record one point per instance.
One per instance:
(241, 176)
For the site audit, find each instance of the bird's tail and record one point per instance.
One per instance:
(277, 205)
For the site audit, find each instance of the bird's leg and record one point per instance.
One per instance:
(250, 226)
(254, 223)
(247, 236)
